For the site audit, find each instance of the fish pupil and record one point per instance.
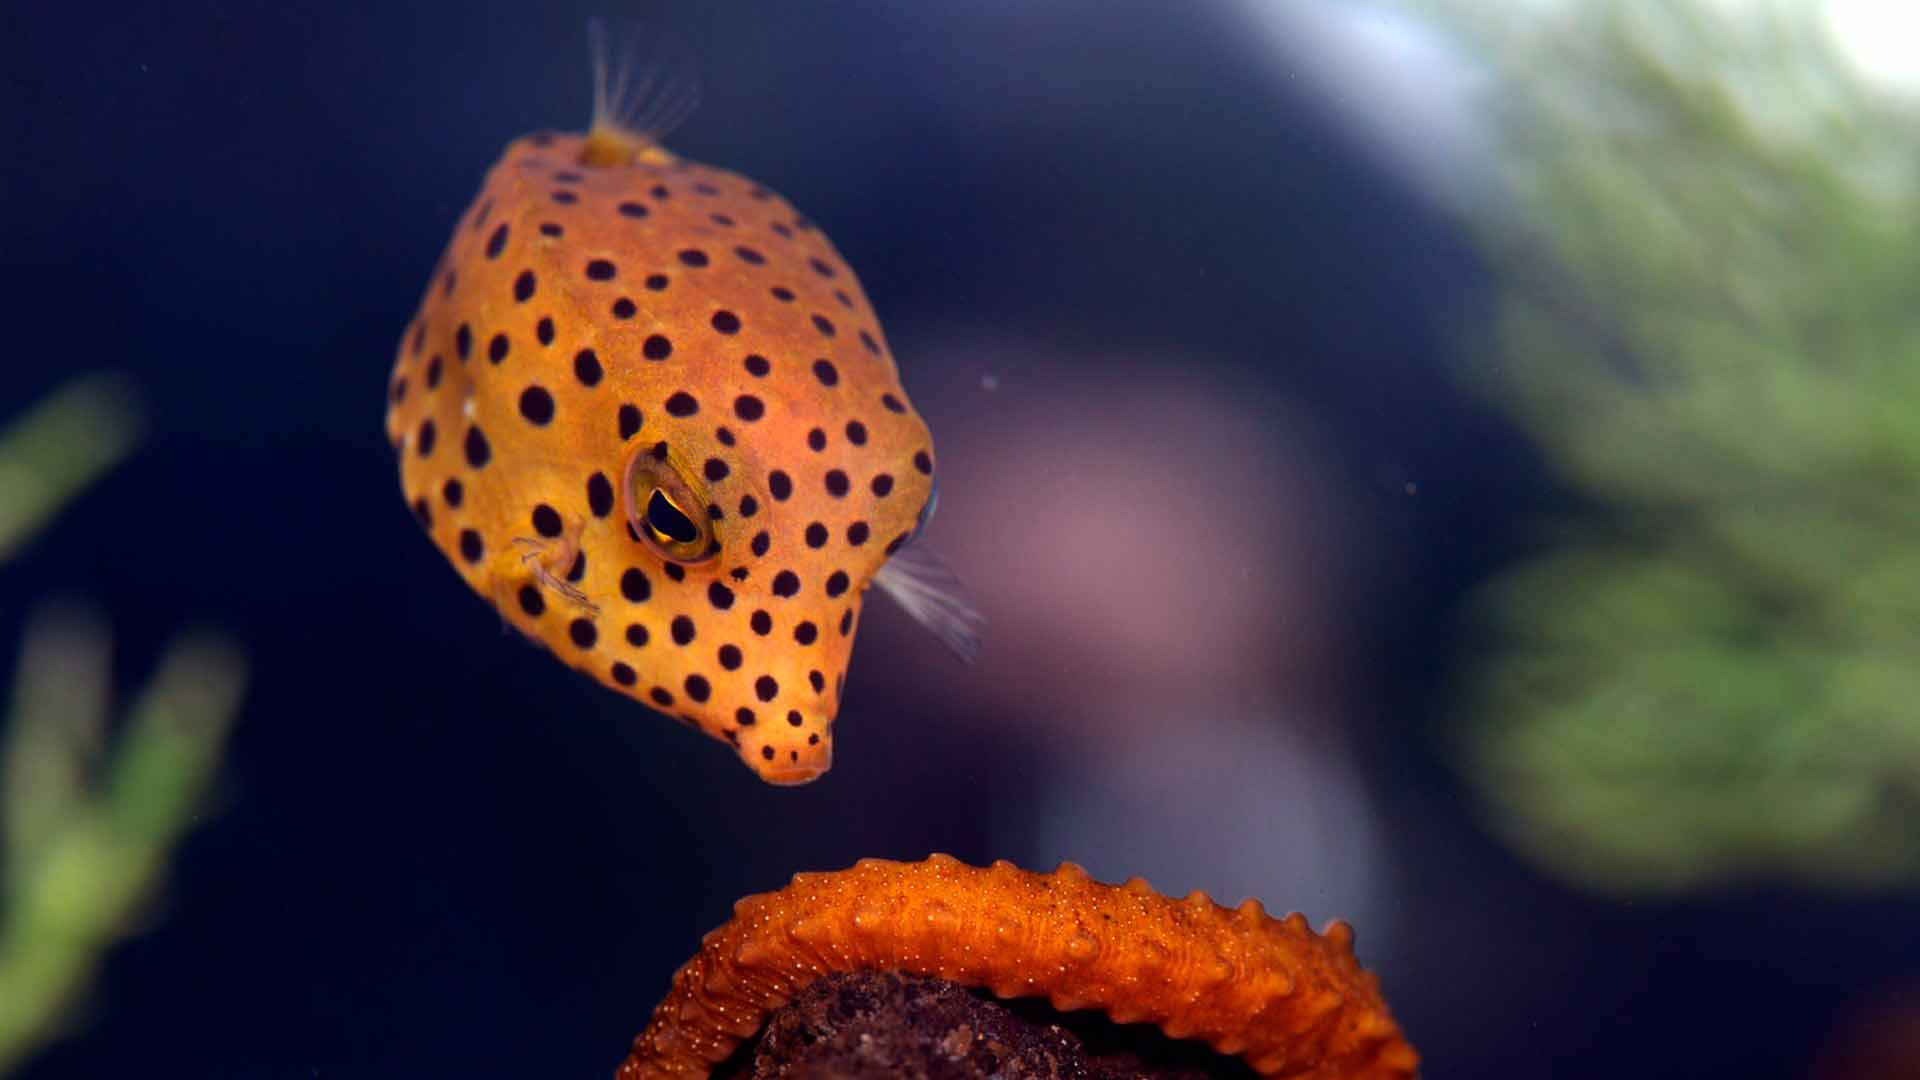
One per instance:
(667, 519)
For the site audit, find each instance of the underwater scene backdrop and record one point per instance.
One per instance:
(1449, 466)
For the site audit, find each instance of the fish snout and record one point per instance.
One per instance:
(790, 754)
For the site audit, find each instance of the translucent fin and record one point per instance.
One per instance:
(640, 92)
(920, 582)
(535, 556)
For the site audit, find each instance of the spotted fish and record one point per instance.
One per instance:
(647, 411)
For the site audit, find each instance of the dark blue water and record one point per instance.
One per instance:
(438, 853)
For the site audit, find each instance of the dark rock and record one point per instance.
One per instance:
(869, 1025)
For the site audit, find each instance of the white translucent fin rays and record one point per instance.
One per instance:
(643, 85)
(923, 585)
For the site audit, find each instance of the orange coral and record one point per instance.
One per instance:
(1288, 1001)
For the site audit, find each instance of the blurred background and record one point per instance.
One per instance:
(1448, 465)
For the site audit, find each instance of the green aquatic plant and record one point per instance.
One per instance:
(59, 449)
(1705, 259)
(89, 810)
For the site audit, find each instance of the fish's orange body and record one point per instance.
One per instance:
(647, 412)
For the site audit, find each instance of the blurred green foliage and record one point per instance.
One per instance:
(1708, 316)
(89, 811)
(59, 449)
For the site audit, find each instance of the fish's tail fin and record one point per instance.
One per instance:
(644, 86)
(923, 585)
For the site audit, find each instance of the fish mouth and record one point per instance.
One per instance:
(792, 775)
(813, 764)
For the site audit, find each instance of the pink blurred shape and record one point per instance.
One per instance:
(1161, 558)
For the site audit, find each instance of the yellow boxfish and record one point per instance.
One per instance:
(646, 411)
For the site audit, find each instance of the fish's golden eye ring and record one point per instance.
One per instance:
(665, 511)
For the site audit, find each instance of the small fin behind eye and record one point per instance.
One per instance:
(533, 556)
(921, 583)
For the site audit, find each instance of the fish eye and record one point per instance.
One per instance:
(669, 523)
(663, 510)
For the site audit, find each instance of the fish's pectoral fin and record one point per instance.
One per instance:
(541, 556)
(927, 589)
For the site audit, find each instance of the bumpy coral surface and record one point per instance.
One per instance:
(1290, 1002)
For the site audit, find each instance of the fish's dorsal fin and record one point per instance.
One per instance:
(638, 97)
(927, 589)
